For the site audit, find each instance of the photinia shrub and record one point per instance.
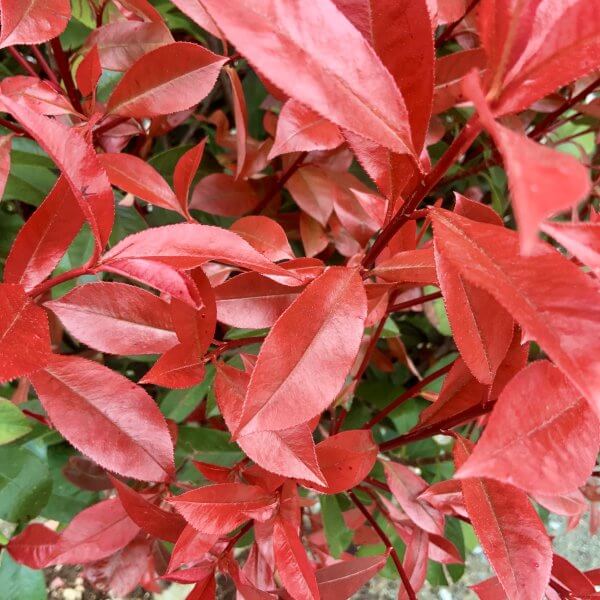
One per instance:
(298, 292)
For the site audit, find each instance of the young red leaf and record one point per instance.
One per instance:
(345, 459)
(34, 546)
(295, 570)
(221, 194)
(317, 36)
(289, 452)
(411, 266)
(116, 424)
(294, 382)
(45, 237)
(220, 508)
(240, 113)
(151, 518)
(300, 129)
(548, 295)
(313, 190)
(252, 301)
(415, 560)
(185, 171)
(24, 333)
(32, 22)
(542, 181)
(76, 158)
(135, 176)
(116, 318)
(169, 79)
(580, 239)
(95, 533)
(265, 235)
(89, 72)
(187, 245)
(541, 437)
(571, 577)
(406, 486)
(178, 368)
(511, 533)
(342, 579)
(196, 11)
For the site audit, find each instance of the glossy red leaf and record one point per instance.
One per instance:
(220, 508)
(406, 486)
(103, 421)
(221, 194)
(317, 36)
(24, 333)
(240, 114)
(190, 547)
(511, 533)
(78, 161)
(300, 129)
(293, 382)
(415, 560)
(89, 72)
(34, 546)
(580, 239)
(147, 515)
(342, 579)
(168, 79)
(45, 237)
(135, 176)
(313, 190)
(185, 171)
(252, 301)
(412, 266)
(116, 318)
(186, 246)
(95, 533)
(289, 452)
(548, 295)
(32, 22)
(345, 459)
(178, 368)
(543, 181)
(265, 235)
(295, 570)
(542, 436)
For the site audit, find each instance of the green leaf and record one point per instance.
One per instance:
(208, 445)
(436, 311)
(27, 152)
(19, 582)
(25, 484)
(13, 423)
(28, 183)
(127, 221)
(337, 534)
(179, 404)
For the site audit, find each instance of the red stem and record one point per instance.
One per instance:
(414, 302)
(45, 66)
(62, 61)
(388, 544)
(109, 125)
(407, 395)
(14, 127)
(17, 56)
(281, 182)
(50, 283)
(450, 28)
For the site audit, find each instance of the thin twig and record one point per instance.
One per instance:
(62, 62)
(41, 60)
(17, 56)
(281, 182)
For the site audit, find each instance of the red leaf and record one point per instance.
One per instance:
(221, 194)
(220, 508)
(293, 382)
(415, 560)
(187, 245)
(511, 533)
(314, 238)
(252, 301)
(366, 100)
(85, 474)
(24, 334)
(240, 113)
(32, 22)
(190, 547)
(406, 487)
(345, 459)
(151, 518)
(116, 318)
(340, 580)
(300, 129)
(34, 546)
(541, 437)
(135, 176)
(313, 190)
(169, 79)
(543, 181)
(103, 421)
(571, 577)
(196, 11)
(45, 237)
(290, 452)
(178, 368)
(548, 295)
(185, 171)
(265, 235)
(580, 239)
(78, 161)
(89, 72)
(295, 571)
(95, 533)
(411, 266)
